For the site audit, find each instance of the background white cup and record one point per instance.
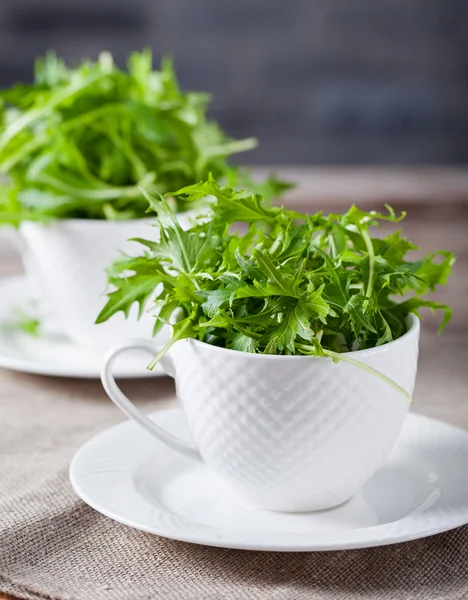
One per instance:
(67, 260)
(285, 433)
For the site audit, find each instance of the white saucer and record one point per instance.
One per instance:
(52, 353)
(134, 479)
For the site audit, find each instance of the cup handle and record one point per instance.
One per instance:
(127, 406)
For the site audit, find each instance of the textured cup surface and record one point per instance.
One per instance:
(294, 433)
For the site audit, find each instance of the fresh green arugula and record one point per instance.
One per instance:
(79, 142)
(25, 323)
(262, 279)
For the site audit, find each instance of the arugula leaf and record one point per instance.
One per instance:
(79, 141)
(285, 335)
(138, 287)
(316, 305)
(216, 299)
(26, 323)
(240, 341)
(286, 283)
(415, 303)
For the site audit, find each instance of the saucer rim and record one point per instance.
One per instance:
(381, 537)
(15, 285)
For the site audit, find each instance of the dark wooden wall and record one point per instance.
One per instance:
(318, 81)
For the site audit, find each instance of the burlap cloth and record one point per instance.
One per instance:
(53, 546)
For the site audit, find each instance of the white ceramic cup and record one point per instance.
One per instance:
(285, 433)
(67, 261)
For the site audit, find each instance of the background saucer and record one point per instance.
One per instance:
(51, 352)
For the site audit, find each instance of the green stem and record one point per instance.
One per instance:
(233, 147)
(176, 228)
(90, 194)
(167, 347)
(371, 370)
(362, 366)
(92, 115)
(370, 252)
(101, 194)
(331, 243)
(26, 150)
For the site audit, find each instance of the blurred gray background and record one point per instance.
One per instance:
(317, 81)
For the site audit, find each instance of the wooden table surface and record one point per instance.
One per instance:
(436, 200)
